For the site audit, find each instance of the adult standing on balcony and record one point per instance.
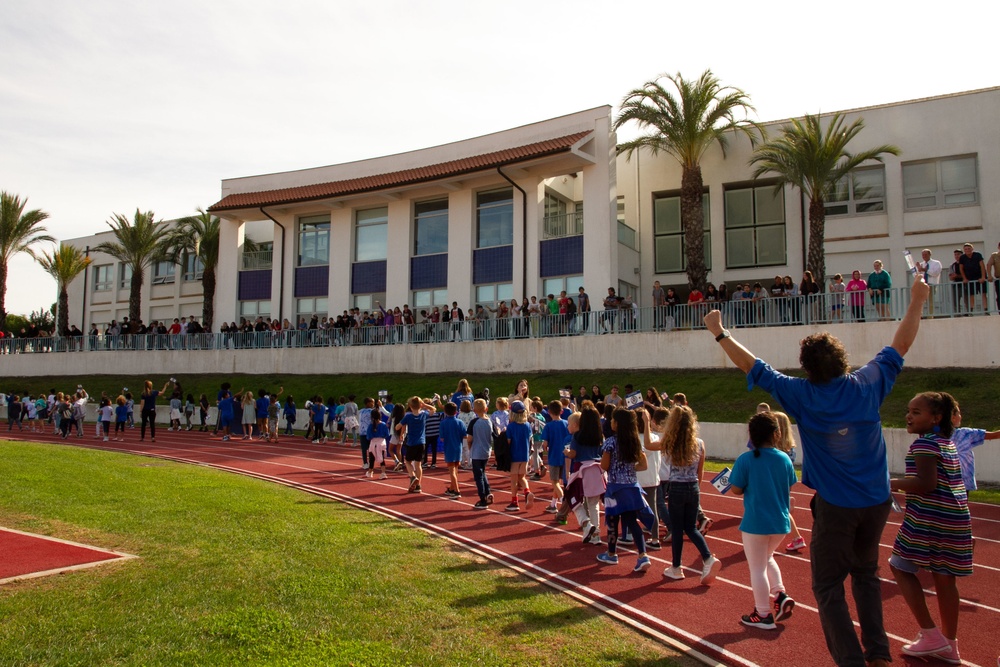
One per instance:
(993, 269)
(845, 462)
(659, 301)
(879, 284)
(583, 307)
(973, 270)
(931, 268)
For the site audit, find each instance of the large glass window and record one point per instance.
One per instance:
(194, 268)
(669, 246)
(430, 227)
(554, 286)
(371, 234)
(861, 191)
(428, 298)
(124, 276)
(308, 307)
(561, 218)
(755, 227)
(104, 277)
(369, 301)
(495, 218)
(164, 272)
(492, 293)
(253, 309)
(940, 183)
(314, 240)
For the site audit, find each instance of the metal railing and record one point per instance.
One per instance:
(559, 226)
(817, 310)
(256, 261)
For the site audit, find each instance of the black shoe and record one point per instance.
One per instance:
(481, 505)
(654, 545)
(783, 606)
(755, 620)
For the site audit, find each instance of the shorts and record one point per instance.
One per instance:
(837, 306)
(414, 452)
(903, 564)
(452, 452)
(973, 287)
(272, 424)
(175, 414)
(555, 473)
(225, 421)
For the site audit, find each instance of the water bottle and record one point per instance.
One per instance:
(912, 267)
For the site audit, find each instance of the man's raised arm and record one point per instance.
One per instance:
(906, 333)
(739, 355)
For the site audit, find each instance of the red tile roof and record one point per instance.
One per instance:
(377, 182)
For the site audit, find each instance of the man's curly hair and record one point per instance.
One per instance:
(823, 358)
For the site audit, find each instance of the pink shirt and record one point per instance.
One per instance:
(857, 290)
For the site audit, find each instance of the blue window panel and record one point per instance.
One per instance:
(493, 265)
(312, 280)
(368, 277)
(561, 257)
(429, 271)
(255, 285)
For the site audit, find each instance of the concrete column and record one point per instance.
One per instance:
(341, 255)
(461, 243)
(600, 216)
(227, 272)
(398, 244)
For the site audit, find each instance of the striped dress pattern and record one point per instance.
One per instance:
(936, 533)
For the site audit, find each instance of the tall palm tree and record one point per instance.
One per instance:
(199, 236)
(815, 161)
(64, 264)
(138, 243)
(684, 123)
(19, 230)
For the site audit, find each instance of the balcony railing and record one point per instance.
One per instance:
(559, 226)
(256, 261)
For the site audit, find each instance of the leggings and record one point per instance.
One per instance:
(318, 433)
(631, 521)
(148, 416)
(765, 577)
(119, 427)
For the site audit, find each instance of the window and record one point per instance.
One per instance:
(861, 191)
(103, 278)
(561, 218)
(368, 301)
(669, 246)
(308, 307)
(125, 273)
(314, 240)
(495, 218)
(940, 183)
(493, 293)
(371, 234)
(163, 273)
(628, 290)
(193, 268)
(755, 227)
(430, 227)
(428, 298)
(556, 285)
(253, 309)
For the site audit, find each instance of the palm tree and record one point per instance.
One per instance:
(685, 124)
(19, 230)
(64, 264)
(815, 161)
(139, 243)
(199, 236)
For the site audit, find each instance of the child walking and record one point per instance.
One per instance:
(452, 433)
(686, 453)
(249, 404)
(764, 477)
(273, 410)
(480, 441)
(290, 412)
(554, 436)
(936, 533)
(413, 427)
(624, 501)
(107, 412)
(121, 418)
(377, 435)
(318, 411)
(587, 484)
(203, 412)
(519, 435)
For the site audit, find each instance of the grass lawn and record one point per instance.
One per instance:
(717, 396)
(239, 571)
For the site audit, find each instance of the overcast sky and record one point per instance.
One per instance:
(108, 106)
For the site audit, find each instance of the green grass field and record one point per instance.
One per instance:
(717, 396)
(239, 571)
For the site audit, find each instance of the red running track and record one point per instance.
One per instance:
(26, 555)
(705, 618)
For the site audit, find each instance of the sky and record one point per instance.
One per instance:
(108, 106)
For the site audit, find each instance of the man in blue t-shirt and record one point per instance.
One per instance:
(845, 462)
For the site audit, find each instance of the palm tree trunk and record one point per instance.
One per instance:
(693, 222)
(135, 295)
(817, 242)
(3, 295)
(208, 290)
(62, 327)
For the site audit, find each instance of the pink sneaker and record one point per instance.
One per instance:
(928, 642)
(950, 655)
(796, 545)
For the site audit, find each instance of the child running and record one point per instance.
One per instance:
(686, 453)
(413, 428)
(519, 435)
(764, 477)
(377, 435)
(936, 533)
(624, 501)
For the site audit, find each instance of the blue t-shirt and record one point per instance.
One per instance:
(619, 472)
(519, 436)
(584, 452)
(458, 397)
(844, 455)
(482, 438)
(226, 407)
(121, 413)
(452, 434)
(766, 481)
(318, 412)
(379, 430)
(415, 425)
(555, 433)
(262, 405)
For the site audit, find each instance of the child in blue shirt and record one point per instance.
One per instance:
(452, 432)
(412, 427)
(365, 421)
(764, 477)
(554, 436)
(121, 417)
(377, 436)
(318, 412)
(519, 435)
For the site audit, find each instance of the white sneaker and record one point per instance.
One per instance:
(673, 573)
(105, 439)
(709, 569)
(315, 442)
(383, 476)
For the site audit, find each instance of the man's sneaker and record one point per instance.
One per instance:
(951, 654)
(927, 642)
(595, 538)
(552, 509)
(704, 523)
(413, 484)
(642, 564)
(783, 606)
(513, 507)
(607, 559)
(755, 620)
(481, 505)
(709, 569)
(796, 545)
(489, 498)
(383, 475)
(529, 498)
(673, 573)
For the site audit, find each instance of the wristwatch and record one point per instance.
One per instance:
(724, 334)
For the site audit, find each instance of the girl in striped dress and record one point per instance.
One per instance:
(936, 533)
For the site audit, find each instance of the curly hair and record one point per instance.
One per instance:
(680, 436)
(823, 358)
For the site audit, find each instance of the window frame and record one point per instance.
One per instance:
(941, 194)
(428, 215)
(195, 272)
(756, 227)
(495, 287)
(706, 236)
(366, 225)
(164, 273)
(853, 203)
(504, 239)
(319, 229)
(434, 294)
(106, 282)
(124, 276)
